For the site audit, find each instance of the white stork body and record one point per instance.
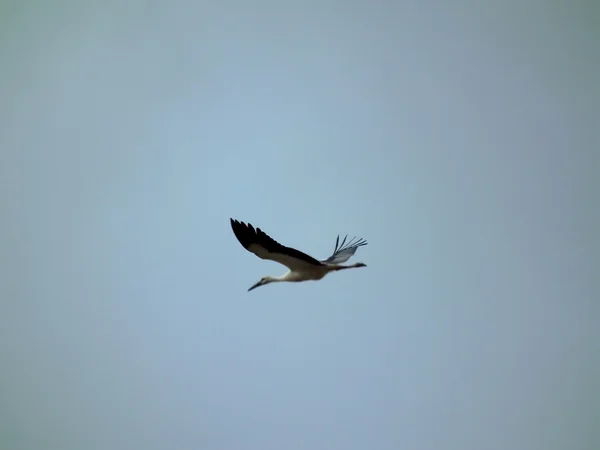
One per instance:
(302, 267)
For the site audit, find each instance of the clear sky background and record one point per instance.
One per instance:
(461, 139)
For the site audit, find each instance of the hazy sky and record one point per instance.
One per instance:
(461, 139)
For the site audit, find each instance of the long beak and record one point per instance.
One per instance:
(254, 286)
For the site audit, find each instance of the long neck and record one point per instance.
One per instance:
(288, 276)
(279, 278)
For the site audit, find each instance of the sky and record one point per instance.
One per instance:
(460, 139)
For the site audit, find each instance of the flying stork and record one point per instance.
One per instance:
(302, 267)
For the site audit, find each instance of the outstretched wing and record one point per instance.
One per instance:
(265, 247)
(342, 253)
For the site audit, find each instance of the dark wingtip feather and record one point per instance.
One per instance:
(243, 232)
(352, 243)
(344, 241)
(247, 235)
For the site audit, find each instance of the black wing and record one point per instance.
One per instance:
(265, 247)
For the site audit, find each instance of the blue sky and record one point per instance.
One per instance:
(460, 140)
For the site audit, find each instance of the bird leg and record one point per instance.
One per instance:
(351, 266)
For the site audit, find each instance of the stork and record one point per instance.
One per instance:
(302, 267)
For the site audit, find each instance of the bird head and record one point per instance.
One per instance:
(261, 282)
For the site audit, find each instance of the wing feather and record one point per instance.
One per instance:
(265, 247)
(342, 252)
